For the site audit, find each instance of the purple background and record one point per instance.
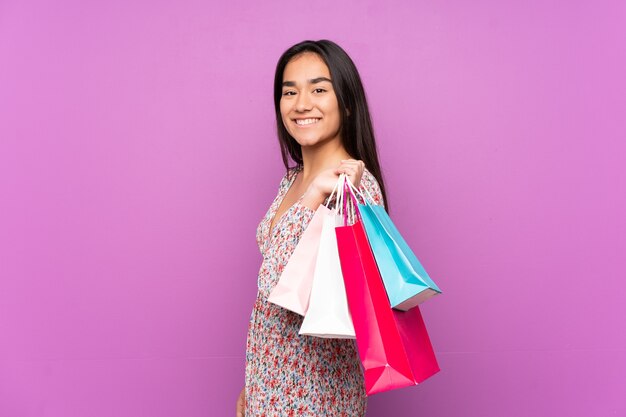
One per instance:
(138, 154)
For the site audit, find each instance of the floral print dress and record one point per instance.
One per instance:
(288, 374)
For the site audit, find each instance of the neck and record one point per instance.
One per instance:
(316, 159)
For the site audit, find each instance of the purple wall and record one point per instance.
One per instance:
(138, 153)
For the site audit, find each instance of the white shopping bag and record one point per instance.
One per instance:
(328, 315)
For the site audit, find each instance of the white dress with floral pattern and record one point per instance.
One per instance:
(288, 374)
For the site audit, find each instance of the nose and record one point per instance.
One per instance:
(303, 102)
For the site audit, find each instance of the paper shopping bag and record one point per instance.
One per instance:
(293, 288)
(394, 346)
(328, 315)
(405, 279)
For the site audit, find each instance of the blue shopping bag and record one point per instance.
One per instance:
(406, 281)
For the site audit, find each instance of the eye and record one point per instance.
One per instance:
(286, 93)
(319, 89)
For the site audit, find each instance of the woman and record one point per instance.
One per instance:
(324, 126)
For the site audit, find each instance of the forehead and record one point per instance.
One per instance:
(304, 67)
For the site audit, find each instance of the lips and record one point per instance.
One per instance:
(306, 122)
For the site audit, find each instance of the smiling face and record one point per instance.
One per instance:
(308, 104)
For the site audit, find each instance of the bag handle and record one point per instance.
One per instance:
(347, 201)
(352, 211)
(335, 189)
(358, 192)
(342, 204)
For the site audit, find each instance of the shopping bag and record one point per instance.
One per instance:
(406, 281)
(328, 315)
(394, 346)
(293, 288)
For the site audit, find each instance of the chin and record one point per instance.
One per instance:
(307, 141)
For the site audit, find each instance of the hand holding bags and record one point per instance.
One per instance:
(393, 346)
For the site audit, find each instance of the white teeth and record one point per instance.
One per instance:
(306, 121)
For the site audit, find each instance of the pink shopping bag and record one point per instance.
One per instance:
(294, 285)
(394, 346)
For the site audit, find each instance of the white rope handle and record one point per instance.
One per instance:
(348, 216)
(361, 194)
(353, 211)
(340, 183)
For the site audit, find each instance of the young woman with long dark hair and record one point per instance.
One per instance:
(324, 127)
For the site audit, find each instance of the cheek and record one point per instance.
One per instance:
(333, 113)
(332, 107)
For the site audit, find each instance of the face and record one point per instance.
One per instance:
(308, 104)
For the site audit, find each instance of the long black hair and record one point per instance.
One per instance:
(356, 131)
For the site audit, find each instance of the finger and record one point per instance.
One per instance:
(359, 164)
(353, 161)
(349, 172)
(358, 167)
(349, 166)
(355, 177)
(350, 162)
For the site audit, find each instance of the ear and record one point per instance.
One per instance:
(348, 111)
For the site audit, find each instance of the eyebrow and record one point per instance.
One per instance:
(311, 81)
